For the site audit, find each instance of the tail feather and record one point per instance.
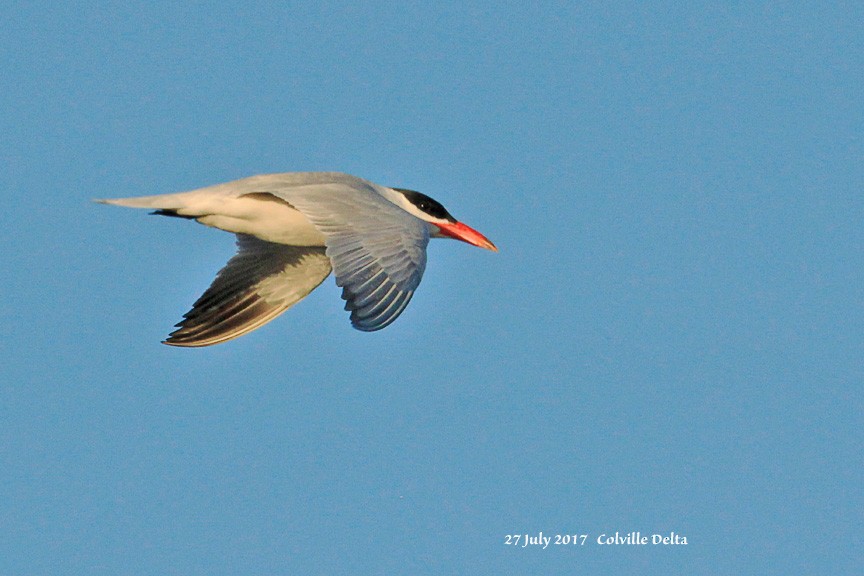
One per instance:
(159, 202)
(179, 205)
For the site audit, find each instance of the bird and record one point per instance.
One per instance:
(292, 229)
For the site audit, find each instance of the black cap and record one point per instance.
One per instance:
(426, 204)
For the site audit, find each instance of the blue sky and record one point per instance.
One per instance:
(670, 338)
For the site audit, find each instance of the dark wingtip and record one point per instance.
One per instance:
(172, 342)
(172, 214)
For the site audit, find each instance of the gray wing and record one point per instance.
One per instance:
(378, 251)
(259, 283)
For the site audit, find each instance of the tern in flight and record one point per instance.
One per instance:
(292, 230)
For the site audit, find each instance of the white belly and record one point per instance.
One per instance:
(266, 218)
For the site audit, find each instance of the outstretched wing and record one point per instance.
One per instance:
(259, 283)
(378, 251)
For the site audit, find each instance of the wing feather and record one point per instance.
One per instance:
(258, 284)
(377, 249)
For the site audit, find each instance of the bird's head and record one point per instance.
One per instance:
(443, 224)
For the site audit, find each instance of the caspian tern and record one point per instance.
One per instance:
(292, 230)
